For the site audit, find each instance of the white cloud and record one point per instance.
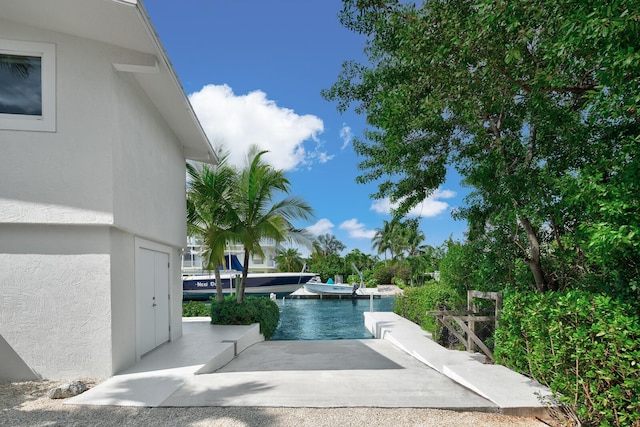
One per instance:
(323, 226)
(239, 121)
(431, 206)
(345, 134)
(356, 229)
(324, 157)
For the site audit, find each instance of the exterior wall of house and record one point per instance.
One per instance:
(63, 177)
(149, 200)
(123, 300)
(149, 188)
(73, 202)
(55, 298)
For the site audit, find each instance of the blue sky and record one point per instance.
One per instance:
(254, 70)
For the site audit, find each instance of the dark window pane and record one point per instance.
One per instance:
(20, 85)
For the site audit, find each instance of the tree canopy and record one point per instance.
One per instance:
(256, 215)
(327, 244)
(535, 104)
(289, 260)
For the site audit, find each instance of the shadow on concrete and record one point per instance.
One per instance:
(310, 356)
(20, 409)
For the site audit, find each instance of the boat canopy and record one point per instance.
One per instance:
(235, 263)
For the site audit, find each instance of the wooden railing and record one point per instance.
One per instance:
(466, 320)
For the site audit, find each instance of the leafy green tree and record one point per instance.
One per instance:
(526, 100)
(327, 244)
(432, 257)
(327, 266)
(208, 211)
(256, 215)
(289, 260)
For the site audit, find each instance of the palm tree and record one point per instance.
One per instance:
(289, 260)
(383, 240)
(255, 216)
(361, 260)
(412, 237)
(19, 66)
(208, 206)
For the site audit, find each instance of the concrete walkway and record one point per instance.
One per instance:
(233, 366)
(202, 348)
(327, 374)
(512, 392)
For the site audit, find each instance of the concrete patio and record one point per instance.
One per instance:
(233, 366)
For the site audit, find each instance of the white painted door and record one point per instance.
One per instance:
(161, 297)
(153, 298)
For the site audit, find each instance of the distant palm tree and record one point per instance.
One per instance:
(383, 239)
(208, 206)
(412, 237)
(255, 216)
(361, 260)
(289, 260)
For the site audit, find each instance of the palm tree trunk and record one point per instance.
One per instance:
(219, 296)
(245, 271)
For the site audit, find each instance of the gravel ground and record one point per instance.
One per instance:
(27, 404)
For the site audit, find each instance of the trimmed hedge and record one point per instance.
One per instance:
(252, 310)
(195, 309)
(584, 346)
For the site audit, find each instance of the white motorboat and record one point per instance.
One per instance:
(204, 287)
(317, 287)
(320, 288)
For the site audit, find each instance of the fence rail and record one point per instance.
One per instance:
(462, 323)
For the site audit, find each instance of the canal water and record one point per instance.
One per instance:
(326, 319)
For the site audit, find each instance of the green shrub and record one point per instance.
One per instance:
(584, 346)
(399, 282)
(383, 273)
(195, 309)
(403, 275)
(253, 310)
(432, 296)
(369, 281)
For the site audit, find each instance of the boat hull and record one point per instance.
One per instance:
(203, 287)
(329, 289)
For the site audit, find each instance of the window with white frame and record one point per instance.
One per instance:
(27, 86)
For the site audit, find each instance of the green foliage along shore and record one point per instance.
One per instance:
(432, 296)
(195, 309)
(584, 346)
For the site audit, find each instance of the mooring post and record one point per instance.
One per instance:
(471, 347)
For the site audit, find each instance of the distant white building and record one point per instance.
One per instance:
(192, 259)
(95, 129)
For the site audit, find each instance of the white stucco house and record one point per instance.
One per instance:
(95, 129)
